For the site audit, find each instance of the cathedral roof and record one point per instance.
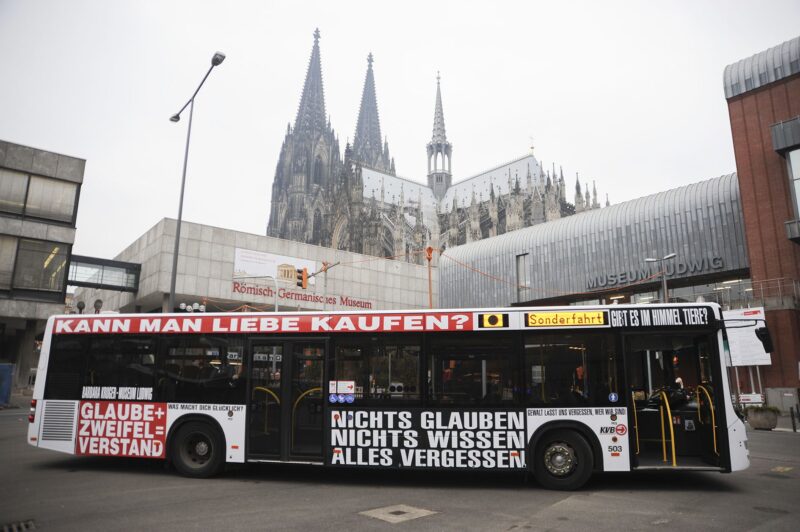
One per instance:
(439, 136)
(496, 178)
(367, 141)
(311, 115)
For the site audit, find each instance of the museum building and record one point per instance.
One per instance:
(221, 270)
(735, 238)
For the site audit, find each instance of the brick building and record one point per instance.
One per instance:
(763, 93)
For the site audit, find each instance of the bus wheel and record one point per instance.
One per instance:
(563, 460)
(197, 450)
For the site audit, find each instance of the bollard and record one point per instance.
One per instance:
(791, 413)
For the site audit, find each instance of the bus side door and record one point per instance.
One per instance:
(285, 399)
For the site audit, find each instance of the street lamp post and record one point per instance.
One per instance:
(216, 60)
(664, 296)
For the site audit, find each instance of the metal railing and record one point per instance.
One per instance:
(780, 293)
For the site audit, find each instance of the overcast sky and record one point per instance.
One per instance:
(626, 93)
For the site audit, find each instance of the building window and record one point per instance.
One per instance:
(13, 186)
(41, 197)
(8, 252)
(793, 158)
(40, 265)
(48, 198)
(523, 283)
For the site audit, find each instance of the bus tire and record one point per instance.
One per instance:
(563, 460)
(197, 449)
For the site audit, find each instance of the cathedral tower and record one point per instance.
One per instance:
(367, 146)
(439, 151)
(308, 164)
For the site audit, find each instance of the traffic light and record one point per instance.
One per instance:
(302, 278)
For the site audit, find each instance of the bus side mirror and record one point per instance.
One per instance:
(766, 340)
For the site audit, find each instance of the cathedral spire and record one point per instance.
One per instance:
(311, 116)
(439, 135)
(367, 145)
(440, 151)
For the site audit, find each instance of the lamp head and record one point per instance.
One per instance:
(175, 118)
(218, 58)
(671, 256)
(650, 260)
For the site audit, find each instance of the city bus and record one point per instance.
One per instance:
(558, 392)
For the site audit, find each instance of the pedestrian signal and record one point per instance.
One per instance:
(492, 321)
(302, 278)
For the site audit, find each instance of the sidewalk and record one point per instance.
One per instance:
(17, 400)
(785, 424)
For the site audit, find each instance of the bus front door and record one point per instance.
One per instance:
(285, 404)
(676, 422)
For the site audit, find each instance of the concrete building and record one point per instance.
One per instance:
(226, 270)
(39, 193)
(763, 94)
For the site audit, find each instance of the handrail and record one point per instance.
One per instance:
(663, 437)
(294, 407)
(266, 409)
(665, 399)
(635, 421)
(713, 417)
(267, 390)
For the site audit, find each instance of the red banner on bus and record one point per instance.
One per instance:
(108, 428)
(237, 323)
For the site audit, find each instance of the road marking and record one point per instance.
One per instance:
(782, 469)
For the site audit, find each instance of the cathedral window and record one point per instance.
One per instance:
(317, 175)
(316, 235)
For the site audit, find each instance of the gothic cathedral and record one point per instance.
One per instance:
(358, 203)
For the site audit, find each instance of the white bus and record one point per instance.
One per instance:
(559, 391)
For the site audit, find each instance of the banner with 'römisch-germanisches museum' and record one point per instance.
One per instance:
(254, 271)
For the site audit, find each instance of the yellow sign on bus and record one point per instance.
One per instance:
(579, 318)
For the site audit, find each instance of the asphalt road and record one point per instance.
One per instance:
(61, 492)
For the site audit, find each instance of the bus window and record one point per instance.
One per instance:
(473, 369)
(99, 361)
(199, 369)
(66, 367)
(570, 369)
(677, 361)
(383, 367)
(120, 361)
